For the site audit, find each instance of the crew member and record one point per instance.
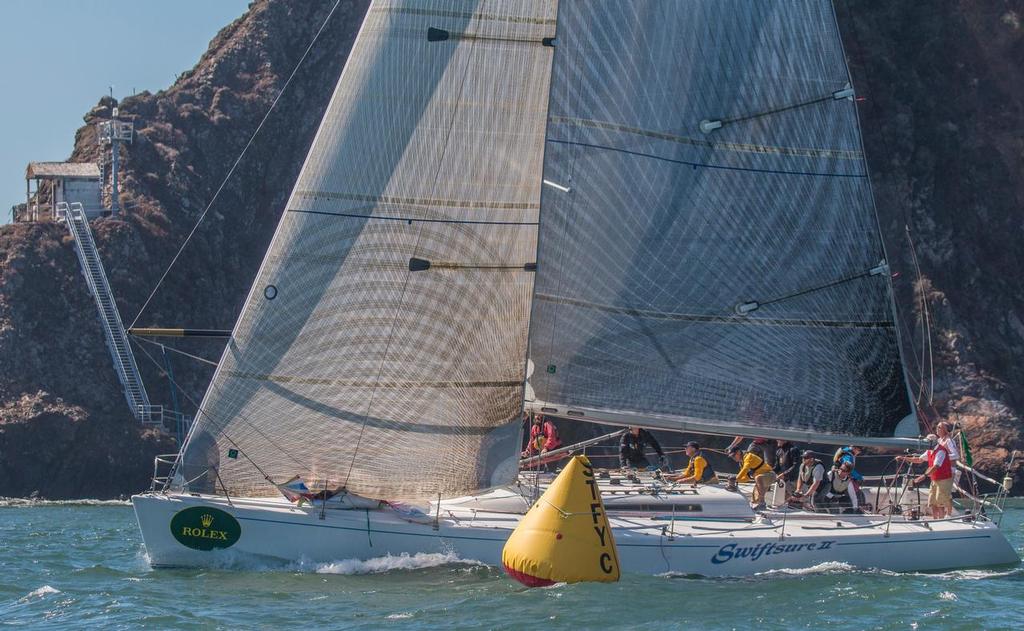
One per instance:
(940, 470)
(753, 468)
(633, 445)
(839, 489)
(787, 464)
(763, 446)
(949, 441)
(809, 479)
(849, 455)
(543, 437)
(697, 471)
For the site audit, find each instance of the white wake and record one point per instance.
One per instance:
(389, 563)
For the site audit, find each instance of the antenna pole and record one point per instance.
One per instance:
(113, 132)
(113, 164)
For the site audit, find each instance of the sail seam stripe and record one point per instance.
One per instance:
(686, 317)
(703, 164)
(732, 146)
(418, 201)
(466, 15)
(313, 381)
(415, 219)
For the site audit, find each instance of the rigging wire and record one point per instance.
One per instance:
(238, 160)
(221, 431)
(180, 352)
(926, 326)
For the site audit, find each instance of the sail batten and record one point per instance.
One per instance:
(349, 365)
(714, 260)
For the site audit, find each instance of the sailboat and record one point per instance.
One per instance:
(651, 213)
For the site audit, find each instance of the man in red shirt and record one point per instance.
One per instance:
(543, 437)
(940, 470)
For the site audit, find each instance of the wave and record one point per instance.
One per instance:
(246, 562)
(837, 567)
(389, 563)
(40, 593)
(833, 567)
(974, 575)
(828, 567)
(25, 502)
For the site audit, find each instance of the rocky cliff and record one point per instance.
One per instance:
(65, 430)
(942, 112)
(943, 119)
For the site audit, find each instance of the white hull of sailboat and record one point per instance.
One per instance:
(277, 532)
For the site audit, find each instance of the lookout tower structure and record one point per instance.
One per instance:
(112, 133)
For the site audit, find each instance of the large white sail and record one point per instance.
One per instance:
(709, 255)
(382, 348)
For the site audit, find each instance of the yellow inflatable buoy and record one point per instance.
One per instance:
(565, 536)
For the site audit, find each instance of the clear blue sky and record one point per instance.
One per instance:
(58, 57)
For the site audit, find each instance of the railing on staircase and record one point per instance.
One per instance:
(117, 341)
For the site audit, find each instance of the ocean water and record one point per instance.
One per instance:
(83, 565)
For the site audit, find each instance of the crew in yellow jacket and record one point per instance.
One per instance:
(698, 471)
(754, 469)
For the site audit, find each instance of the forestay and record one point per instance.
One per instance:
(709, 251)
(383, 345)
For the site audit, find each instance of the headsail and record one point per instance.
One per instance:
(383, 345)
(709, 254)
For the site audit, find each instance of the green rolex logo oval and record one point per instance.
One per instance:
(205, 528)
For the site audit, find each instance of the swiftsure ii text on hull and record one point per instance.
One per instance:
(752, 553)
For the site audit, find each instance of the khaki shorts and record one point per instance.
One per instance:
(940, 493)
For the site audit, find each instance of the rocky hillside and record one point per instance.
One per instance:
(942, 115)
(65, 430)
(943, 118)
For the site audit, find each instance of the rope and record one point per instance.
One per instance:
(565, 514)
(234, 166)
(926, 327)
(200, 410)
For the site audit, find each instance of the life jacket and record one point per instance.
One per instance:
(708, 472)
(945, 470)
(544, 434)
(807, 473)
(786, 457)
(763, 467)
(837, 485)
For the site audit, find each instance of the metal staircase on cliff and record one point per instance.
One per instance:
(117, 341)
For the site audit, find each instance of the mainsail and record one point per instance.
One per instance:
(709, 255)
(383, 345)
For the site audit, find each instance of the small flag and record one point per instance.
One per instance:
(965, 450)
(233, 454)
